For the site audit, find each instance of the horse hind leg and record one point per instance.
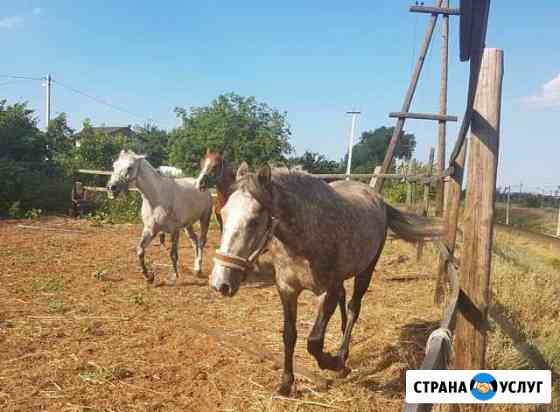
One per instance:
(361, 284)
(316, 339)
(342, 306)
(204, 226)
(174, 255)
(196, 248)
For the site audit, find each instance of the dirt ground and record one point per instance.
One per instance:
(80, 330)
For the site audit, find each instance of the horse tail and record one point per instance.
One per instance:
(411, 227)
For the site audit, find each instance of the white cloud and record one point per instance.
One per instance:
(548, 97)
(10, 22)
(37, 11)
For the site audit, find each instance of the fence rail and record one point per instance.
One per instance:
(421, 178)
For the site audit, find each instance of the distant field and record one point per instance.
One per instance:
(542, 220)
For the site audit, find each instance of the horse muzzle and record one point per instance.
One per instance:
(225, 280)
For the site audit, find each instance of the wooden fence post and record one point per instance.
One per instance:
(558, 225)
(374, 178)
(410, 171)
(442, 126)
(470, 338)
(453, 189)
(426, 201)
(508, 204)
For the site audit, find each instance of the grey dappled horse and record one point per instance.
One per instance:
(321, 235)
(168, 205)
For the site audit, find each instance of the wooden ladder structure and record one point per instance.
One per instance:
(440, 8)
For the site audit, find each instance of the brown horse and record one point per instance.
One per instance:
(215, 165)
(321, 235)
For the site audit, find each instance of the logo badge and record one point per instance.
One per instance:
(483, 386)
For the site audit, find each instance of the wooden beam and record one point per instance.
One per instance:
(376, 172)
(442, 126)
(95, 172)
(425, 203)
(478, 39)
(424, 116)
(407, 99)
(470, 338)
(436, 10)
(453, 188)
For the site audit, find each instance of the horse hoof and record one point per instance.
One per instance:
(344, 372)
(149, 277)
(284, 389)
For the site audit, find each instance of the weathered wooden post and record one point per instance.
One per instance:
(453, 188)
(374, 178)
(410, 170)
(470, 337)
(508, 204)
(426, 200)
(558, 225)
(442, 126)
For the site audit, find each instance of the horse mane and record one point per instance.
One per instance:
(292, 192)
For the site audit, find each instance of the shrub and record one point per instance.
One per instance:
(28, 186)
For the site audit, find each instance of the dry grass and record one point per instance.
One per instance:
(117, 344)
(540, 220)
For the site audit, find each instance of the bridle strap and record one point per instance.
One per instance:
(232, 262)
(244, 264)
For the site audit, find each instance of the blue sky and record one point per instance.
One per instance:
(315, 60)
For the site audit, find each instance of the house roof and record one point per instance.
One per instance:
(111, 130)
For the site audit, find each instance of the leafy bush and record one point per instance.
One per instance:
(32, 186)
(125, 208)
(394, 192)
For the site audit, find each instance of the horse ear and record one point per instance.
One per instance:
(242, 171)
(264, 176)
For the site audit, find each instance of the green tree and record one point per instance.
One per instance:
(315, 163)
(153, 142)
(98, 150)
(370, 150)
(60, 136)
(242, 128)
(20, 139)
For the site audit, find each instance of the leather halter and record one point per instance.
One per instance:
(244, 264)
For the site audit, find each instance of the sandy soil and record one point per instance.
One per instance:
(80, 330)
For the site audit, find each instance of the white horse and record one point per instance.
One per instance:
(168, 205)
(170, 171)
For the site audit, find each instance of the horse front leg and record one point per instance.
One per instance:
(316, 340)
(289, 305)
(147, 236)
(174, 254)
(196, 248)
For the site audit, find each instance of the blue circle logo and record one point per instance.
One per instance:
(483, 386)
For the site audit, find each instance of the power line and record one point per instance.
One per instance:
(21, 77)
(82, 93)
(8, 82)
(101, 101)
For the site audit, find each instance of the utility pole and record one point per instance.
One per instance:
(508, 188)
(351, 143)
(48, 101)
(558, 203)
